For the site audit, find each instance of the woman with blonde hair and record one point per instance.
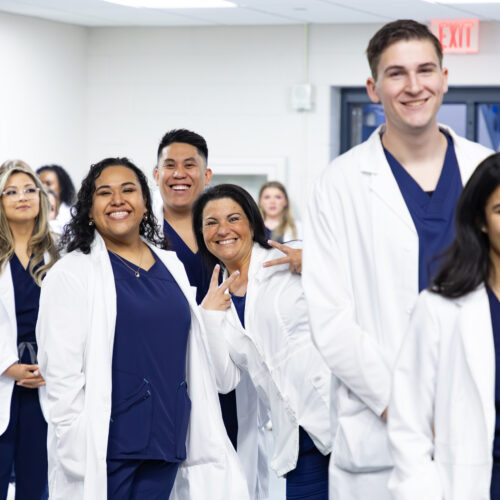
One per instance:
(275, 208)
(27, 252)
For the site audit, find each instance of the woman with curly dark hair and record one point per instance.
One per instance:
(119, 335)
(54, 177)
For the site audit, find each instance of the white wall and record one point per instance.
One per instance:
(122, 88)
(43, 91)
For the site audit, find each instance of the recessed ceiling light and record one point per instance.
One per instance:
(174, 4)
(470, 2)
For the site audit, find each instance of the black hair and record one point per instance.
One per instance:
(187, 137)
(244, 200)
(467, 261)
(79, 235)
(66, 186)
(395, 31)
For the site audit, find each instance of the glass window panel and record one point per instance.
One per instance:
(251, 183)
(488, 118)
(455, 116)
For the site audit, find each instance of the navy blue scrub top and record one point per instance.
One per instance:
(150, 406)
(198, 275)
(433, 213)
(239, 304)
(27, 298)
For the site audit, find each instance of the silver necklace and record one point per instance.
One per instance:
(135, 271)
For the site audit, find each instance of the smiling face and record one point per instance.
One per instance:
(118, 205)
(181, 175)
(23, 207)
(227, 232)
(410, 85)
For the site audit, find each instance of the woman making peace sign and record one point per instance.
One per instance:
(261, 327)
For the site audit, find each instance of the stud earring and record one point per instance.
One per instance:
(91, 222)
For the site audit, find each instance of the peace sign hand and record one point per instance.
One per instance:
(293, 257)
(217, 297)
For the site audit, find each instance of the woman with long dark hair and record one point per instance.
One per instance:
(261, 328)
(55, 178)
(27, 252)
(122, 351)
(443, 426)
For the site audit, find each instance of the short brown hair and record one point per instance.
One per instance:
(403, 29)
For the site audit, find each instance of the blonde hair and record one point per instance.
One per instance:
(41, 240)
(287, 221)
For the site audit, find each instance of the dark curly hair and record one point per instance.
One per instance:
(244, 200)
(66, 187)
(78, 235)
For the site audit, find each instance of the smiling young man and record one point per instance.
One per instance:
(377, 218)
(181, 175)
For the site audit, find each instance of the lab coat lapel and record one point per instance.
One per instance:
(104, 291)
(477, 338)
(7, 296)
(383, 184)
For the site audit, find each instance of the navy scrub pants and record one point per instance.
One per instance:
(309, 479)
(140, 479)
(24, 445)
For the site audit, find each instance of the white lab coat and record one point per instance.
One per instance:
(8, 343)
(251, 440)
(75, 333)
(442, 410)
(63, 218)
(277, 352)
(360, 276)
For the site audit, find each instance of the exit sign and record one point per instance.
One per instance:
(457, 36)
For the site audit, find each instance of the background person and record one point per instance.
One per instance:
(377, 217)
(27, 252)
(444, 417)
(276, 211)
(121, 379)
(265, 333)
(54, 203)
(56, 178)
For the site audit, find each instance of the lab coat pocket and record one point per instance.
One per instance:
(361, 443)
(130, 423)
(182, 413)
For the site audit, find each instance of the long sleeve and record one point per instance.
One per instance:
(411, 410)
(351, 352)
(227, 374)
(61, 335)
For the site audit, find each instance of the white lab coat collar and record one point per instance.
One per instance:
(383, 182)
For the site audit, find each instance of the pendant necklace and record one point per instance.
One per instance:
(135, 271)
